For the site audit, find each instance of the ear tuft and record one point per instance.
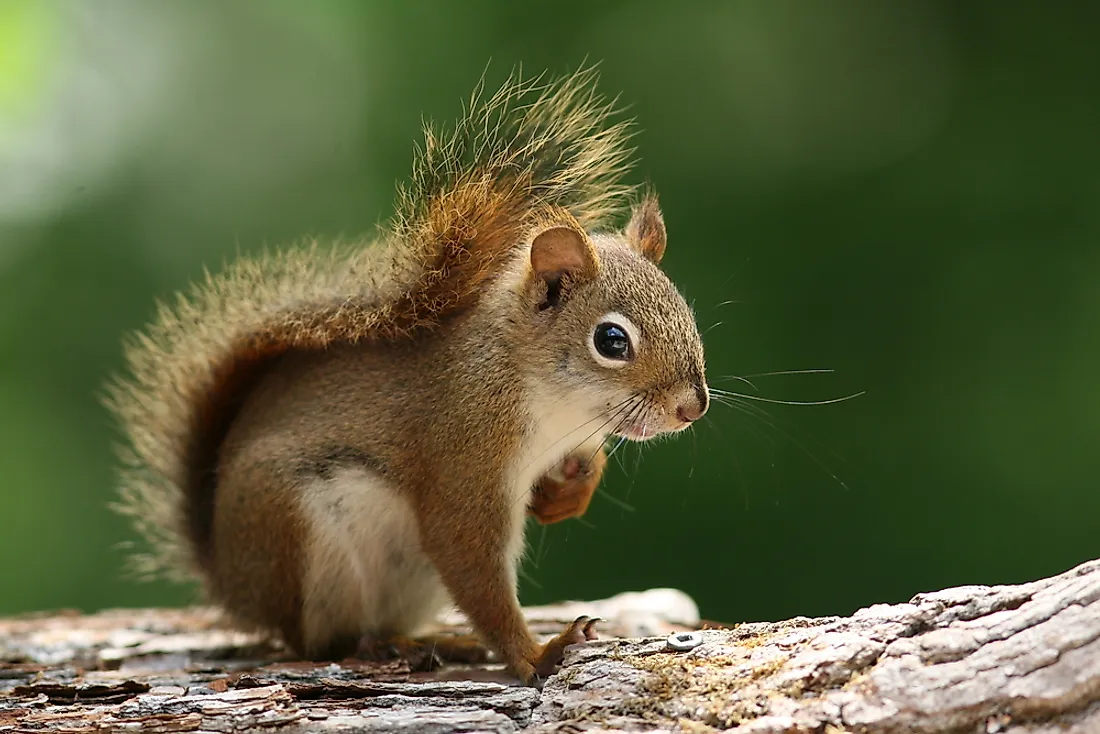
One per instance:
(563, 250)
(646, 230)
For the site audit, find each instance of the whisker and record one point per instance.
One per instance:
(715, 392)
(733, 457)
(622, 406)
(600, 428)
(631, 416)
(617, 502)
(755, 411)
(748, 408)
(638, 460)
(619, 443)
(694, 453)
(641, 408)
(792, 372)
(539, 551)
(614, 411)
(628, 419)
(624, 413)
(528, 578)
(712, 326)
(766, 419)
(744, 379)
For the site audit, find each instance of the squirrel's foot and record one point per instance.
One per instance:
(424, 653)
(551, 654)
(566, 491)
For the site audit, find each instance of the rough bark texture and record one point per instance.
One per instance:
(1014, 659)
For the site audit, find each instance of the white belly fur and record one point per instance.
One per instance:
(366, 572)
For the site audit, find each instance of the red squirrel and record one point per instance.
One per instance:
(341, 442)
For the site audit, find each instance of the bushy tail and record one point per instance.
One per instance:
(475, 191)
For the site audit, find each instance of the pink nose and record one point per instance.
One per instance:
(688, 413)
(693, 409)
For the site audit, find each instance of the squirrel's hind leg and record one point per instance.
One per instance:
(254, 568)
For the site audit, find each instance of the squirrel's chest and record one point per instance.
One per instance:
(555, 428)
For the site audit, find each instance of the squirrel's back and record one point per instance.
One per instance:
(475, 193)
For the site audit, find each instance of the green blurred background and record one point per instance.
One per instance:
(907, 193)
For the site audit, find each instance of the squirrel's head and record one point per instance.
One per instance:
(611, 330)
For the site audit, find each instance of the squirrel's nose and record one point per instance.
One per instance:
(695, 407)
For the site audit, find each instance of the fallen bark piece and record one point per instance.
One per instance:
(62, 692)
(1005, 659)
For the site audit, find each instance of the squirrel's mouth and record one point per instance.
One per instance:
(636, 432)
(645, 430)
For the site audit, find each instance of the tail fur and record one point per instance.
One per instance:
(475, 191)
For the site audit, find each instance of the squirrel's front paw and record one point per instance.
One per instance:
(566, 491)
(579, 630)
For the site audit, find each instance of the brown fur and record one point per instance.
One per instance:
(325, 439)
(476, 191)
(262, 584)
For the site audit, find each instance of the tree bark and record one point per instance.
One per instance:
(1014, 659)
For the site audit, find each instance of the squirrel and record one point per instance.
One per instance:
(340, 442)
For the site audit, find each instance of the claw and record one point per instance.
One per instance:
(582, 628)
(579, 630)
(577, 627)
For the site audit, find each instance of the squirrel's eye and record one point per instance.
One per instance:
(611, 341)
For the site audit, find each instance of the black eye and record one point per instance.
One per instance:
(611, 341)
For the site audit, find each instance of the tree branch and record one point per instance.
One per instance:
(1015, 659)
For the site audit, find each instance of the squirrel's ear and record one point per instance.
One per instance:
(560, 256)
(563, 250)
(646, 231)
